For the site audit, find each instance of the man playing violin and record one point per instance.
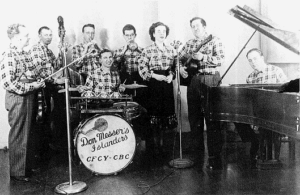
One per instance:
(19, 78)
(207, 53)
(89, 49)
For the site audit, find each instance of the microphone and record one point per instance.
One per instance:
(60, 22)
(61, 28)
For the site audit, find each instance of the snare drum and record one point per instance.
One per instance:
(131, 109)
(105, 144)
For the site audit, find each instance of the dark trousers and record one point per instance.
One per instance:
(198, 101)
(42, 130)
(247, 134)
(20, 118)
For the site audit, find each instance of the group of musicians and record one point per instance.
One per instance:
(104, 71)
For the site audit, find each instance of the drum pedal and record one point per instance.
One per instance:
(95, 174)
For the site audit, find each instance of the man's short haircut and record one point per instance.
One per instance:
(198, 18)
(128, 27)
(88, 25)
(152, 29)
(254, 50)
(13, 30)
(105, 51)
(43, 27)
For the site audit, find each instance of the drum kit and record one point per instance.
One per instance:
(105, 142)
(104, 139)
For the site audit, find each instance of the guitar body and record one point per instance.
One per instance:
(192, 69)
(192, 65)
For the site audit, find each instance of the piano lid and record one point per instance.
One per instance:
(264, 25)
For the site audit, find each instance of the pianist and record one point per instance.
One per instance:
(263, 73)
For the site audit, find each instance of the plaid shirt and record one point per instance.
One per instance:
(103, 82)
(213, 52)
(152, 58)
(131, 58)
(43, 57)
(87, 64)
(17, 65)
(271, 74)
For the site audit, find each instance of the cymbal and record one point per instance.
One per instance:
(70, 89)
(135, 86)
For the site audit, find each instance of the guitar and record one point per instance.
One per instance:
(192, 65)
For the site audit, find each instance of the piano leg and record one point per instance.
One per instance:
(270, 145)
(247, 134)
(214, 145)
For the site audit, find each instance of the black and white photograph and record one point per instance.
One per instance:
(150, 97)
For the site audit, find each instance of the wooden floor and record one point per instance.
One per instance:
(236, 177)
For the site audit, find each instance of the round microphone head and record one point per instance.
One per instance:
(60, 19)
(132, 46)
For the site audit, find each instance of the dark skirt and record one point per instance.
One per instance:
(161, 106)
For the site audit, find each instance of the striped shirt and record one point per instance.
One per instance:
(271, 74)
(43, 57)
(87, 64)
(153, 58)
(213, 54)
(131, 58)
(16, 65)
(103, 82)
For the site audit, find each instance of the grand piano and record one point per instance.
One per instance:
(258, 104)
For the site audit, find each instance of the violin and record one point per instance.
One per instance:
(42, 106)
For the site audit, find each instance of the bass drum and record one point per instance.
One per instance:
(105, 144)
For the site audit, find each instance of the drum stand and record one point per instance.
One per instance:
(70, 187)
(179, 162)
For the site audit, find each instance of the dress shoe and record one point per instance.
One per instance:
(20, 178)
(35, 170)
(215, 163)
(32, 171)
(253, 163)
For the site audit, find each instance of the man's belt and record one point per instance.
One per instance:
(205, 73)
(27, 80)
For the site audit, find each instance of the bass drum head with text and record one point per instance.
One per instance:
(105, 144)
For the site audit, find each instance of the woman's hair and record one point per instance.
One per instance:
(152, 29)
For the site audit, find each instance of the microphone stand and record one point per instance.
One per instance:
(70, 187)
(179, 162)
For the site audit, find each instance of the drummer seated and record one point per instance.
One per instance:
(103, 80)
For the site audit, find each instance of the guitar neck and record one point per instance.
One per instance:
(205, 41)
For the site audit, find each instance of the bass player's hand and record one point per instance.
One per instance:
(183, 72)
